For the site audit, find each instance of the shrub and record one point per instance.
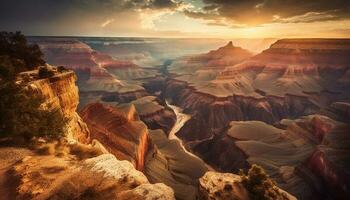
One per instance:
(22, 113)
(45, 72)
(21, 55)
(260, 186)
(61, 69)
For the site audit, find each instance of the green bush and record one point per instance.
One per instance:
(22, 55)
(61, 69)
(21, 113)
(45, 72)
(260, 186)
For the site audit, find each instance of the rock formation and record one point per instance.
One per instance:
(292, 78)
(76, 172)
(306, 157)
(99, 75)
(61, 93)
(120, 130)
(267, 87)
(154, 114)
(227, 186)
(168, 163)
(224, 56)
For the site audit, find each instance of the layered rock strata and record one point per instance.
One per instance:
(154, 114)
(306, 157)
(120, 130)
(68, 177)
(168, 163)
(60, 92)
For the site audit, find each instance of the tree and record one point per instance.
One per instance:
(260, 186)
(22, 113)
(15, 50)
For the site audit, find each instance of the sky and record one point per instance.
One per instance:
(178, 18)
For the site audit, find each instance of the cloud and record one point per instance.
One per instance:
(71, 16)
(108, 21)
(258, 12)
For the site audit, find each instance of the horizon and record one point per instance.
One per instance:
(150, 37)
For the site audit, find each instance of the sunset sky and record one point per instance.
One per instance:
(178, 18)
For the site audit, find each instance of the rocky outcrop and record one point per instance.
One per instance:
(217, 186)
(227, 186)
(60, 92)
(120, 130)
(70, 177)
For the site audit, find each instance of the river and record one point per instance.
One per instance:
(181, 119)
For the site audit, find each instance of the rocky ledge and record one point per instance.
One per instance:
(75, 171)
(60, 92)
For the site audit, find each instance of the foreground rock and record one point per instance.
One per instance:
(79, 175)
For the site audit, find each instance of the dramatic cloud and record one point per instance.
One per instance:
(178, 18)
(257, 12)
(71, 16)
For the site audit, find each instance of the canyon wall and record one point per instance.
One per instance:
(60, 92)
(120, 130)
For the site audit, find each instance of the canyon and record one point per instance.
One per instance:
(285, 109)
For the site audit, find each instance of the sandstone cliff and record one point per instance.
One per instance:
(61, 93)
(72, 172)
(120, 130)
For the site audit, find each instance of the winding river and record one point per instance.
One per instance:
(181, 119)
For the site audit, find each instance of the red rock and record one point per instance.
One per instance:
(119, 130)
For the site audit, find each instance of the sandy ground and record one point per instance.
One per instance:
(8, 157)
